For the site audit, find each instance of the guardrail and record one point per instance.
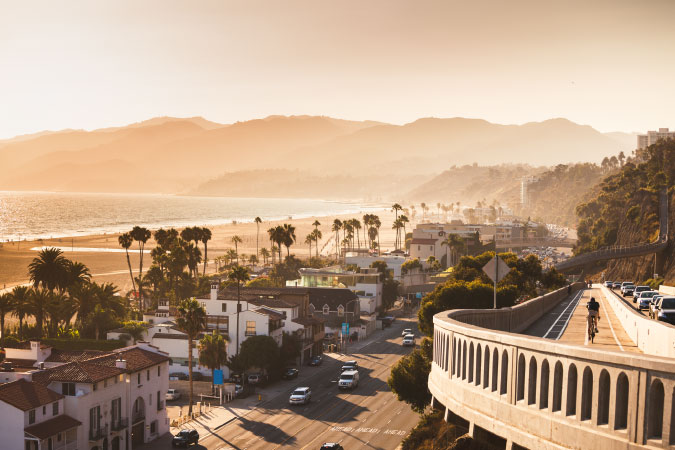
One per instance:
(539, 393)
(615, 252)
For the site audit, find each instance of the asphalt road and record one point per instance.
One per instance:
(368, 417)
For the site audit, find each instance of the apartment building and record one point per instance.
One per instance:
(111, 400)
(652, 137)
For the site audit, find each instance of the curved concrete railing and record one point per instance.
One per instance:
(538, 393)
(616, 252)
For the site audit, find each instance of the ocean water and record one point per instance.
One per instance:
(35, 215)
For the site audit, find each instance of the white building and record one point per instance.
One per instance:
(652, 137)
(363, 262)
(113, 400)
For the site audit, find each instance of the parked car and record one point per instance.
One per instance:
(666, 310)
(406, 331)
(331, 446)
(349, 379)
(300, 396)
(637, 290)
(645, 299)
(243, 390)
(290, 373)
(316, 360)
(409, 340)
(172, 394)
(185, 438)
(609, 284)
(197, 376)
(254, 378)
(178, 376)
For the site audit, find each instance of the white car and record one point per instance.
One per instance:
(409, 340)
(406, 331)
(349, 379)
(300, 396)
(172, 394)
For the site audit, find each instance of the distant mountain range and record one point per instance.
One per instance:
(181, 155)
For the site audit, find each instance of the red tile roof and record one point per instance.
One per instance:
(27, 395)
(77, 372)
(307, 321)
(423, 241)
(136, 358)
(51, 427)
(66, 356)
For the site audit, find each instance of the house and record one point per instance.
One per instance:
(364, 262)
(108, 400)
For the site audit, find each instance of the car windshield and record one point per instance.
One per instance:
(668, 303)
(347, 377)
(298, 392)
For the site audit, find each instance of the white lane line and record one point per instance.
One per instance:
(555, 322)
(610, 322)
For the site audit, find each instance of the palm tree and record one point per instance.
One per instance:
(191, 320)
(38, 307)
(265, 254)
(99, 317)
(60, 311)
(194, 257)
(49, 270)
(356, 224)
(271, 233)
(397, 225)
(21, 308)
(231, 255)
(424, 209)
(257, 221)
(317, 233)
(78, 273)
(125, 241)
(378, 224)
(213, 353)
(205, 238)
(396, 208)
(308, 240)
(6, 306)
(85, 297)
(455, 243)
(236, 240)
(404, 220)
(337, 225)
(289, 237)
(239, 275)
(140, 235)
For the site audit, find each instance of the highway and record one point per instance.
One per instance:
(368, 417)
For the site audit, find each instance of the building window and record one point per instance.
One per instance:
(148, 375)
(68, 389)
(203, 304)
(116, 407)
(153, 427)
(159, 402)
(139, 378)
(44, 410)
(431, 247)
(105, 383)
(31, 417)
(326, 310)
(159, 370)
(250, 328)
(341, 311)
(55, 408)
(419, 247)
(223, 307)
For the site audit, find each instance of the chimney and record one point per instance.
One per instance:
(214, 289)
(41, 366)
(121, 364)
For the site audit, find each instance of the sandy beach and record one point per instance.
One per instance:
(112, 267)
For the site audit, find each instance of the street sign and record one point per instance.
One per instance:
(496, 269)
(345, 329)
(217, 376)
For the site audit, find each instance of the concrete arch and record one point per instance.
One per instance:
(479, 360)
(543, 385)
(471, 356)
(464, 360)
(587, 394)
(486, 368)
(453, 365)
(571, 400)
(621, 402)
(655, 410)
(504, 378)
(557, 387)
(520, 378)
(495, 370)
(532, 382)
(603, 397)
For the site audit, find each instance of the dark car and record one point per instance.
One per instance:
(628, 291)
(185, 438)
(290, 373)
(316, 360)
(331, 446)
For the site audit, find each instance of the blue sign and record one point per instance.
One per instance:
(418, 295)
(217, 377)
(345, 329)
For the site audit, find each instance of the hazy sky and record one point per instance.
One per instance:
(90, 64)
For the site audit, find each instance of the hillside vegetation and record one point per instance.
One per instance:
(623, 210)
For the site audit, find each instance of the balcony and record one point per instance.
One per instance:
(99, 433)
(138, 416)
(120, 424)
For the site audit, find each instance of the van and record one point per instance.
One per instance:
(349, 379)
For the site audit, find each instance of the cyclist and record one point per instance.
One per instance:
(593, 315)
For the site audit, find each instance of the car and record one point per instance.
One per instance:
(625, 283)
(406, 331)
(331, 446)
(178, 376)
(409, 340)
(184, 438)
(645, 299)
(300, 396)
(637, 290)
(616, 285)
(349, 365)
(172, 394)
(349, 379)
(666, 310)
(653, 306)
(316, 360)
(254, 378)
(290, 373)
(609, 284)
(628, 290)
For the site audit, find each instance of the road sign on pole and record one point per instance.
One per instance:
(496, 269)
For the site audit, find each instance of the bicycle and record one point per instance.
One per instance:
(592, 330)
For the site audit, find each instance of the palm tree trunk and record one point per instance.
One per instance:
(131, 274)
(238, 308)
(190, 372)
(206, 256)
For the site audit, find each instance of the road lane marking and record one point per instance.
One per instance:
(574, 301)
(610, 322)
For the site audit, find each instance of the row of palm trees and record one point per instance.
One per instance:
(351, 229)
(282, 235)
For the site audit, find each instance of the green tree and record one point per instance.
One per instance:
(49, 270)
(410, 373)
(455, 243)
(38, 306)
(257, 221)
(21, 306)
(125, 240)
(205, 237)
(317, 235)
(135, 329)
(191, 320)
(213, 353)
(236, 240)
(337, 226)
(289, 237)
(6, 306)
(260, 352)
(239, 275)
(140, 235)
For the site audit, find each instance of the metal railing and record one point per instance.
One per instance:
(137, 416)
(96, 434)
(120, 424)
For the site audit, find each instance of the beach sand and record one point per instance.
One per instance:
(112, 267)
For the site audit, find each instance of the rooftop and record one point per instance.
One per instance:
(27, 395)
(77, 372)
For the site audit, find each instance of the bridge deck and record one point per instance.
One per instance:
(567, 323)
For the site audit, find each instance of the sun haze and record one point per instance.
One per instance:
(93, 64)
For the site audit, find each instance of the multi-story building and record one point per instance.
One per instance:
(111, 400)
(652, 137)
(427, 240)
